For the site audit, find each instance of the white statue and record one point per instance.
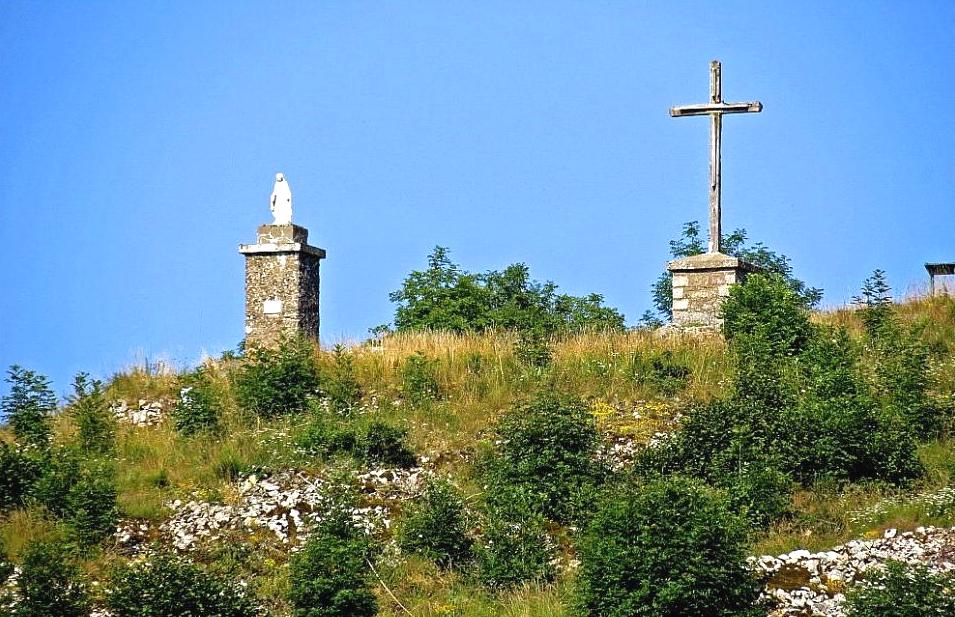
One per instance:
(281, 201)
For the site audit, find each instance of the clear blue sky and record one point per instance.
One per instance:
(138, 142)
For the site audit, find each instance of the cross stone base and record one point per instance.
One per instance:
(700, 284)
(281, 285)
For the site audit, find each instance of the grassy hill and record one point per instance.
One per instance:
(448, 392)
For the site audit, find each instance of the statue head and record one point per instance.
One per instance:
(280, 177)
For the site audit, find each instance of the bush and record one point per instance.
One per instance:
(19, 470)
(95, 423)
(515, 548)
(759, 492)
(903, 591)
(435, 526)
(766, 306)
(661, 371)
(340, 386)
(82, 492)
(546, 449)
(329, 576)
(279, 381)
(165, 585)
(29, 406)
(419, 381)
(199, 404)
(50, 583)
(382, 444)
(671, 547)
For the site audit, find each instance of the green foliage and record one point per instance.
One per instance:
(82, 492)
(373, 443)
(532, 349)
(199, 404)
(329, 576)
(546, 450)
(340, 386)
(662, 371)
(379, 443)
(766, 307)
(692, 243)
(435, 526)
(164, 585)
(274, 382)
(95, 423)
(875, 300)
(515, 548)
(903, 591)
(445, 297)
(28, 406)
(671, 547)
(419, 380)
(51, 583)
(19, 469)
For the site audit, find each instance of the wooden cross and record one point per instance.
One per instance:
(715, 110)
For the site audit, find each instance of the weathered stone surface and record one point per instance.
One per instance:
(281, 284)
(700, 283)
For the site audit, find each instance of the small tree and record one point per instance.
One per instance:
(340, 385)
(515, 547)
(164, 585)
(435, 526)
(329, 575)
(671, 547)
(274, 382)
(96, 425)
(50, 583)
(29, 406)
(767, 307)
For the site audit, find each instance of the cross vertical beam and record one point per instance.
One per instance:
(716, 174)
(715, 109)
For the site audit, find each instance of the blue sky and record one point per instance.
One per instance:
(138, 142)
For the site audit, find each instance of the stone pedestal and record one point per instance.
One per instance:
(700, 283)
(281, 285)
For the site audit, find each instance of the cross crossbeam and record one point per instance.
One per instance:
(715, 110)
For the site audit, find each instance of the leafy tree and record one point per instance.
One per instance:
(670, 547)
(29, 406)
(164, 585)
(51, 583)
(19, 470)
(445, 297)
(692, 243)
(199, 404)
(766, 306)
(329, 575)
(95, 423)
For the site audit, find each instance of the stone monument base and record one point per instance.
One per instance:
(700, 284)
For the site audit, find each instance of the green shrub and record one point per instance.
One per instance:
(766, 306)
(382, 444)
(81, 492)
(29, 406)
(165, 585)
(671, 547)
(273, 382)
(435, 526)
(661, 371)
(532, 349)
(546, 448)
(50, 583)
(903, 591)
(199, 404)
(514, 548)
(340, 386)
(95, 423)
(419, 381)
(328, 577)
(759, 492)
(19, 470)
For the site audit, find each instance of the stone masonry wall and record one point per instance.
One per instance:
(698, 294)
(281, 285)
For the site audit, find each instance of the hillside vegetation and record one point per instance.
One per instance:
(438, 473)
